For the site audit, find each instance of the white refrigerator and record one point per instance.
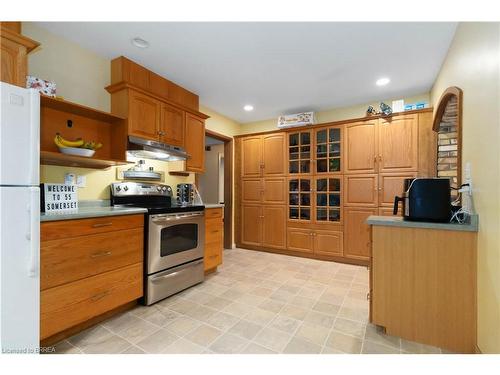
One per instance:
(19, 220)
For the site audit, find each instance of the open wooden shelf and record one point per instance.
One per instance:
(57, 158)
(78, 109)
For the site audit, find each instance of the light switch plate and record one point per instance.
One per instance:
(81, 181)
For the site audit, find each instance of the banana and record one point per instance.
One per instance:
(66, 143)
(57, 141)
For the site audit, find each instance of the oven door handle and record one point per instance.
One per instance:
(163, 277)
(161, 219)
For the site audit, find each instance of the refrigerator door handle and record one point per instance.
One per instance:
(34, 233)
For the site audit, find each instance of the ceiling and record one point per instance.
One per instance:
(279, 68)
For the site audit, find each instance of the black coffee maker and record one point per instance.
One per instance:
(425, 199)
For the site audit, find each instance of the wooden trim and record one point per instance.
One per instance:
(125, 85)
(340, 259)
(60, 159)
(335, 123)
(181, 174)
(49, 341)
(9, 34)
(219, 136)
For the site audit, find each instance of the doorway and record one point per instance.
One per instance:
(216, 184)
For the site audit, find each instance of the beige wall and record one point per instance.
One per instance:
(472, 64)
(335, 114)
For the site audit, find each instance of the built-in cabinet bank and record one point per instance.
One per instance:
(308, 191)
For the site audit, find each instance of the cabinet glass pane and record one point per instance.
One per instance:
(294, 167)
(305, 139)
(334, 149)
(334, 135)
(321, 136)
(321, 151)
(334, 200)
(305, 214)
(334, 184)
(305, 166)
(321, 214)
(305, 199)
(321, 165)
(294, 153)
(294, 200)
(334, 215)
(305, 152)
(334, 165)
(321, 200)
(305, 185)
(293, 139)
(294, 213)
(321, 184)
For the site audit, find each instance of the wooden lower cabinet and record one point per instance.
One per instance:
(328, 242)
(263, 225)
(300, 240)
(88, 267)
(387, 211)
(391, 185)
(361, 190)
(214, 238)
(357, 241)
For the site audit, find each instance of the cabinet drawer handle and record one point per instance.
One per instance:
(100, 296)
(100, 225)
(100, 254)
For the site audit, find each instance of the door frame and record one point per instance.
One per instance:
(228, 185)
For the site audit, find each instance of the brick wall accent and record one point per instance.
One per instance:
(447, 160)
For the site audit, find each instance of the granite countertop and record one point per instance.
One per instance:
(89, 209)
(397, 221)
(213, 205)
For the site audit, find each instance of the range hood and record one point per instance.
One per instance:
(147, 149)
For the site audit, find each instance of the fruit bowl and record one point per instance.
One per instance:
(77, 151)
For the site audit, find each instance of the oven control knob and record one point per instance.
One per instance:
(118, 188)
(158, 188)
(125, 188)
(164, 188)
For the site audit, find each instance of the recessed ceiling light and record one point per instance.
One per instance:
(382, 81)
(140, 43)
(248, 108)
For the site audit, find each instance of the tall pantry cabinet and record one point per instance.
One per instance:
(308, 191)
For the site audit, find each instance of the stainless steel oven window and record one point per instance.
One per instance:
(178, 238)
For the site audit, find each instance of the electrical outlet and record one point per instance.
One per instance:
(81, 181)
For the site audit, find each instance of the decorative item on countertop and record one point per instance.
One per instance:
(370, 111)
(57, 198)
(297, 119)
(385, 109)
(41, 85)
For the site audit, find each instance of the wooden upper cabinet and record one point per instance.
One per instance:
(398, 142)
(360, 142)
(14, 49)
(357, 238)
(361, 190)
(195, 143)
(143, 116)
(273, 154)
(251, 156)
(328, 150)
(172, 125)
(251, 190)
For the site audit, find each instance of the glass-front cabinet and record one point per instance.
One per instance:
(328, 200)
(328, 150)
(299, 199)
(316, 200)
(299, 152)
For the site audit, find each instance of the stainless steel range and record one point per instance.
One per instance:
(174, 238)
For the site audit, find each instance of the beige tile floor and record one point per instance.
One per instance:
(256, 303)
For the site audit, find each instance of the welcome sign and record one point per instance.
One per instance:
(58, 198)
